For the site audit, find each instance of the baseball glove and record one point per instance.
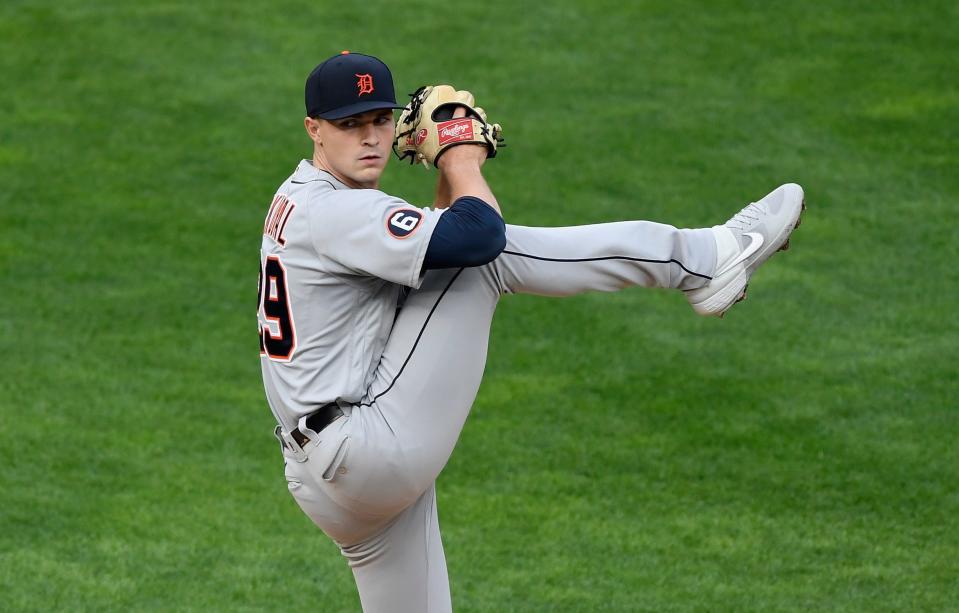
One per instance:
(426, 128)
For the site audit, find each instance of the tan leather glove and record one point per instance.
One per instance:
(426, 128)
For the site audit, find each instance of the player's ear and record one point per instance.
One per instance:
(312, 129)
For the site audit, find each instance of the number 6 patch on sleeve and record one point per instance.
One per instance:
(402, 223)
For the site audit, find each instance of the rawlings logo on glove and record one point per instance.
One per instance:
(456, 130)
(426, 128)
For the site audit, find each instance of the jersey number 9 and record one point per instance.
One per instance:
(277, 334)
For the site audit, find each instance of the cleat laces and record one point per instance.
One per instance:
(745, 218)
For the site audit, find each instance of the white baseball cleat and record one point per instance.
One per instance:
(744, 243)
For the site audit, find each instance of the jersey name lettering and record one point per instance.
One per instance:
(276, 219)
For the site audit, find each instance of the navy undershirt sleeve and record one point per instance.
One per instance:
(469, 233)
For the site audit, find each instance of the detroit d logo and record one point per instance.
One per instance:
(365, 84)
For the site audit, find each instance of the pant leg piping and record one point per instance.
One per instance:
(608, 257)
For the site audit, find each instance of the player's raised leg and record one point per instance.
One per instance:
(712, 265)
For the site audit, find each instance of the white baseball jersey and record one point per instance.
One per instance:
(332, 263)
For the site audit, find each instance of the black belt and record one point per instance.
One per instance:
(317, 422)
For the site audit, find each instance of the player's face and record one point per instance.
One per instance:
(355, 149)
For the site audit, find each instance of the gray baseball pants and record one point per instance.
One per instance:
(368, 478)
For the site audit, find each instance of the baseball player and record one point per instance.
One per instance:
(374, 314)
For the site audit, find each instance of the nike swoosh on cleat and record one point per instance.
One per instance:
(756, 241)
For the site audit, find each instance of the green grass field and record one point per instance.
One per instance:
(623, 454)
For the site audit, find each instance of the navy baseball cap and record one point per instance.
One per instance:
(349, 84)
